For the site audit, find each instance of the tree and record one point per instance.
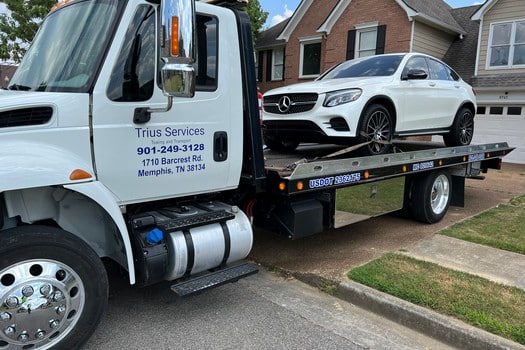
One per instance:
(18, 28)
(257, 17)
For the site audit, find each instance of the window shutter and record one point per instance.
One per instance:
(260, 60)
(381, 35)
(284, 62)
(269, 64)
(350, 44)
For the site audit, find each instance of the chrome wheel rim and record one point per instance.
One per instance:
(466, 128)
(40, 303)
(378, 131)
(440, 194)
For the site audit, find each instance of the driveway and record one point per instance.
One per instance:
(510, 129)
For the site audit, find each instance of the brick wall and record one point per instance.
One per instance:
(385, 12)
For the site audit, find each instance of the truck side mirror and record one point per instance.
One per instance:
(178, 47)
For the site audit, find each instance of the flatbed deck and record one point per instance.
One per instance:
(315, 166)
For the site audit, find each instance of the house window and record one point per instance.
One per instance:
(507, 45)
(366, 42)
(310, 64)
(496, 110)
(514, 111)
(278, 64)
(482, 110)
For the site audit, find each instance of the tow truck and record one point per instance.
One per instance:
(130, 133)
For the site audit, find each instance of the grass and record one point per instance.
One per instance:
(502, 227)
(493, 307)
(372, 199)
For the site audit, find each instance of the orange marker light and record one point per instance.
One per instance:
(300, 185)
(282, 186)
(440, 163)
(79, 174)
(175, 36)
(404, 168)
(366, 175)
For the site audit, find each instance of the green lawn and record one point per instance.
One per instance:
(493, 307)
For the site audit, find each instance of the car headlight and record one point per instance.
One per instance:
(336, 98)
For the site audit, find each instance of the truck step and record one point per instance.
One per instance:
(184, 223)
(214, 279)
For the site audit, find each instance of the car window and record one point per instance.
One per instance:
(440, 71)
(376, 66)
(417, 62)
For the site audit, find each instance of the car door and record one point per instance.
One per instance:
(418, 106)
(447, 92)
(187, 150)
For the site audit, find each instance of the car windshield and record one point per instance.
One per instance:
(68, 48)
(376, 66)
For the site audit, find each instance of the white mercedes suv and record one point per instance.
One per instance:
(370, 101)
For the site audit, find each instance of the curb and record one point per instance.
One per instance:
(443, 328)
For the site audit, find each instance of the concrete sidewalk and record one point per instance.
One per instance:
(493, 264)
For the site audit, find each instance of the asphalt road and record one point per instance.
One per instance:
(264, 311)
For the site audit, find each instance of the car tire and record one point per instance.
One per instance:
(53, 288)
(430, 196)
(462, 129)
(276, 144)
(376, 125)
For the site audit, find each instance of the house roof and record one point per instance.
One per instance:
(435, 13)
(461, 55)
(268, 38)
(483, 9)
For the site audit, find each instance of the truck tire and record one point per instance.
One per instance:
(462, 130)
(53, 289)
(430, 196)
(376, 125)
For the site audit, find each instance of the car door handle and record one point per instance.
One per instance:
(432, 84)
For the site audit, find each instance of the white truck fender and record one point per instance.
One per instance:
(101, 195)
(23, 167)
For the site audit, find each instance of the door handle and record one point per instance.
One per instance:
(220, 146)
(432, 84)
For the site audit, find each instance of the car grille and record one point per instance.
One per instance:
(289, 103)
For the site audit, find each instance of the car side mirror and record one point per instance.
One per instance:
(415, 74)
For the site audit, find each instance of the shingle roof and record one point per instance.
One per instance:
(436, 9)
(461, 55)
(268, 38)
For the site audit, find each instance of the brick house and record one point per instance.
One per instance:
(322, 33)
(6, 73)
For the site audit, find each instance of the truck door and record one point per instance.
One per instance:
(194, 148)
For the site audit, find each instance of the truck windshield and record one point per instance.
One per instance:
(68, 48)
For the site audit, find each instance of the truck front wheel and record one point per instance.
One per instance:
(430, 196)
(53, 289)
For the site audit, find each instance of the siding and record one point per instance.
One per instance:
(431, 41)
(502, 11)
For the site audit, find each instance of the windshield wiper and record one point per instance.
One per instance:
(19, 87)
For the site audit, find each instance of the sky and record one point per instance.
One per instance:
(279, 10)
